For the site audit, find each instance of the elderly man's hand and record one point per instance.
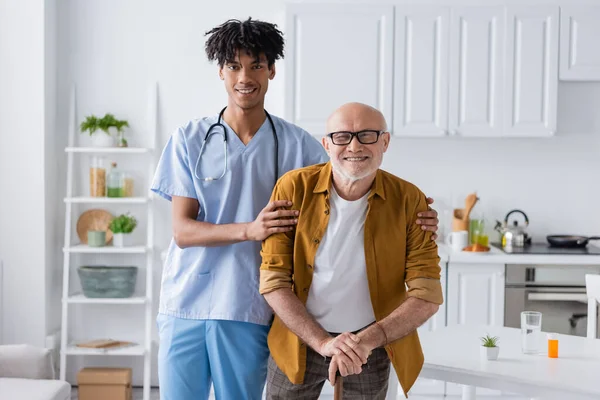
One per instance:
(340, 363)
(429, 220)
(347, 349)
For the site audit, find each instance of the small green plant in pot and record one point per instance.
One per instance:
(121, 227)
(105, 130)
(489, 347)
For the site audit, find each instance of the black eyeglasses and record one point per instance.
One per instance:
(367, 136)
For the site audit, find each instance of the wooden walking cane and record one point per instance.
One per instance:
(338, 388)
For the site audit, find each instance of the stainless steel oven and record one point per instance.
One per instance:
(557, 291)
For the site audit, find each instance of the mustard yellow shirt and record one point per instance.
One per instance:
(402, 260)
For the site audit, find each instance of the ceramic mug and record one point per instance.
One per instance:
(458, 240)
(96, 238)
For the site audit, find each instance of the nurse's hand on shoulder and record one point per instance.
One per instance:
(274, 218)
(429, 220)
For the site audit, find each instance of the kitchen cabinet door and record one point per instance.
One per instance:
(337, 53)
(476, 71)
(532, 71)
(475, 297)
(421, 71)
(430, 386)
(579, 34)
(475, 294)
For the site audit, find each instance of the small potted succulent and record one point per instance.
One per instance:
(489, 347)
(111, 129)
(121, 227)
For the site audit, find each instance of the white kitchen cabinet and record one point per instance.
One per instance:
(337, 53)
(430, 386)
(530, 104)
(421, 71)
(476, 71)
(476, 294)
(579, 34)
(475, 297)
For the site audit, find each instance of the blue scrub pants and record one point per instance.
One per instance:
(192, 353)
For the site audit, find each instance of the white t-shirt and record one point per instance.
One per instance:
(339, 294)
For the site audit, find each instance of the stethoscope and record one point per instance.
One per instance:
(224, 134)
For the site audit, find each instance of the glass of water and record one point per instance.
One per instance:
(531, 332)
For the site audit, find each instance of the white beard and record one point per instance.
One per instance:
(349, 177)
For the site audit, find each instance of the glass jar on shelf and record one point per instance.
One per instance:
(121, 141)
(98, 177)
(128, 185)
(114, 182)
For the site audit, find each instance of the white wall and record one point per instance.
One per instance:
(113, 49)
(54, 172)
(25, 122)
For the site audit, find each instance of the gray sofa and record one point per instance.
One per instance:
(27, 372)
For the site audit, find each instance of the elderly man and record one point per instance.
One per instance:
(356, 277)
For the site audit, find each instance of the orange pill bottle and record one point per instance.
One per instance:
(552, 345)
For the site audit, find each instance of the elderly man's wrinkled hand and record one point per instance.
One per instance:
(344, 343)
(338, 363)
(429, 220)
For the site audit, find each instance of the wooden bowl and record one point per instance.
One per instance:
(94, 220)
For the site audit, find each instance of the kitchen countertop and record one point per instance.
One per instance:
(497, 256)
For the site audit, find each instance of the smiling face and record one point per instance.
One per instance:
(247, 79)
(355, 161)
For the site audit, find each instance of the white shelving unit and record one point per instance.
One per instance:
(68, 298)
(79, 298)
(84, 248)
(138, 350)
(107, 200)
(108, 150)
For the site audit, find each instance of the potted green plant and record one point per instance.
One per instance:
(110, 128)
(489, 347)
(121, 227)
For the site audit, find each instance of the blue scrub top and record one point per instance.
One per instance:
(222, 282)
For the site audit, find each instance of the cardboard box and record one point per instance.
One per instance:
(104, 383)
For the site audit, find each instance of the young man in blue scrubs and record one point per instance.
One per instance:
(212, 321)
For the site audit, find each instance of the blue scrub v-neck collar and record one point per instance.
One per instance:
(234, 138)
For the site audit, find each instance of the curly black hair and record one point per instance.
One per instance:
(253, 36)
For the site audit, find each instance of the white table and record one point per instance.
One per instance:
(452, 354)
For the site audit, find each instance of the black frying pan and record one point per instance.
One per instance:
(570, 240)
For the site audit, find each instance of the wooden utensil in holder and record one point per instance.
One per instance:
(458, 222)
(469, 204)
(460, 217)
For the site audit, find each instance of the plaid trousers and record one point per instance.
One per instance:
(370, 384)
